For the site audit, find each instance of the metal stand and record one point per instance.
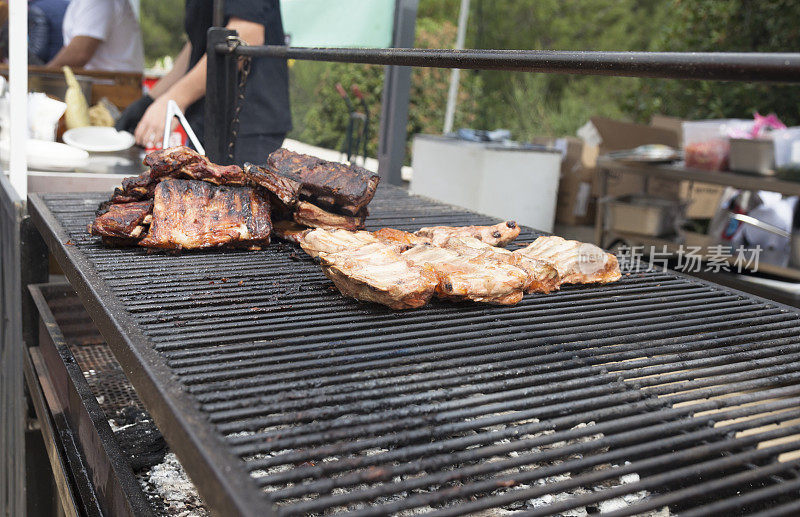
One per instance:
(396, 89)
(220, 96)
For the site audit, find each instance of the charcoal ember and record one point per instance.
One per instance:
(138, 436)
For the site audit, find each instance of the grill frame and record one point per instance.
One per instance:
(221, 478)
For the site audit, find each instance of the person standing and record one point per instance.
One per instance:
(45, 21)
(265, 117)
(101, 35)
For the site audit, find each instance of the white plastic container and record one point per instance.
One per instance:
(787, 146)
(706, 142)
(503, 182)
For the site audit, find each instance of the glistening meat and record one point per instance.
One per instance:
(189, 214)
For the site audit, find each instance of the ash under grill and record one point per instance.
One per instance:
(658, 393)
(161, 477)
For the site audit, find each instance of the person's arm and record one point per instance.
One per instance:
(79, 51)
(189, 88)
(179, 68)
(130, 118)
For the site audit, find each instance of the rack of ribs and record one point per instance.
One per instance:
(122, 223)
(315, 192)
(320, 240)
(375, 272)
(478, 279)
(576, 262)
(190, 214)
(296, 190)
(542, 276)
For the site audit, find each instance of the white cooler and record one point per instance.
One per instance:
(504, 182)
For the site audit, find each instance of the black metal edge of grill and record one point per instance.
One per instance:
(137, 358)
(116, 489)
(173, 411)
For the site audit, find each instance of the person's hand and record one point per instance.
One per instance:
(133, 114)
(151, 127)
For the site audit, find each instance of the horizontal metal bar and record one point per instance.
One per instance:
(723, 66)
(615, 433)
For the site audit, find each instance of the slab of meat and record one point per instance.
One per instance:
(176, 162)
(311, 215)
(289, 231)
(164, 161)
(478, 279)
(123, 221)
(542, 276)
(374, 272)
(286, 189)
(496, 235)
(345, 188)
(576, 262)
(333, 241)
(189, 214)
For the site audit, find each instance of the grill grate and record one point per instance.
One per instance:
(659, 393)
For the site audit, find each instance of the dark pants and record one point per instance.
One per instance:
(256, 148)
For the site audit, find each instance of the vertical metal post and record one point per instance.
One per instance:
(455, 74)
(396, 89)
(221, 86)
(218, 19)
(13, 409)
(18, 96)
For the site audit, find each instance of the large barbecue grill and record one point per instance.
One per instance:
(656, 395)
(659, 393)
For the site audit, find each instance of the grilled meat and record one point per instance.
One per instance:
(176, 162)
(189, 214)
(123, 221)
(400, 239)
(542, 277)
(576, 262)
(478, 279)
(311, 215)
(333, 241)
(496, 235)
(337, 186)
(374, 272)
(289, 231)
(287, 190)
(164, 161)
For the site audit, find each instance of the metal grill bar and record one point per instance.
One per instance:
(730, 66)
(261, 374)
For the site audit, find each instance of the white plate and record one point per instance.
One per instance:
(98, 139)
(55, 156)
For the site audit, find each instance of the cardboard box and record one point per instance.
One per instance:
(577, 197)
(617, 136)
(702, 199)
(674, 124)
(577, 189)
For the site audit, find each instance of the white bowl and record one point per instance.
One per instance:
(98, 139)
(45, 155)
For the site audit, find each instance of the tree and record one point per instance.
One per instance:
(162, 28)
(713, 26)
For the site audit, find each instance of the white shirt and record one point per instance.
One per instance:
(112, 22)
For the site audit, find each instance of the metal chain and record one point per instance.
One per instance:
(233, 42)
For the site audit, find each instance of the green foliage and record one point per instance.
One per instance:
(541, 104)
(162, 28)
(714, 26)
(320, 115)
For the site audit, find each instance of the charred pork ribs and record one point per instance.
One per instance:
(189, 214)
